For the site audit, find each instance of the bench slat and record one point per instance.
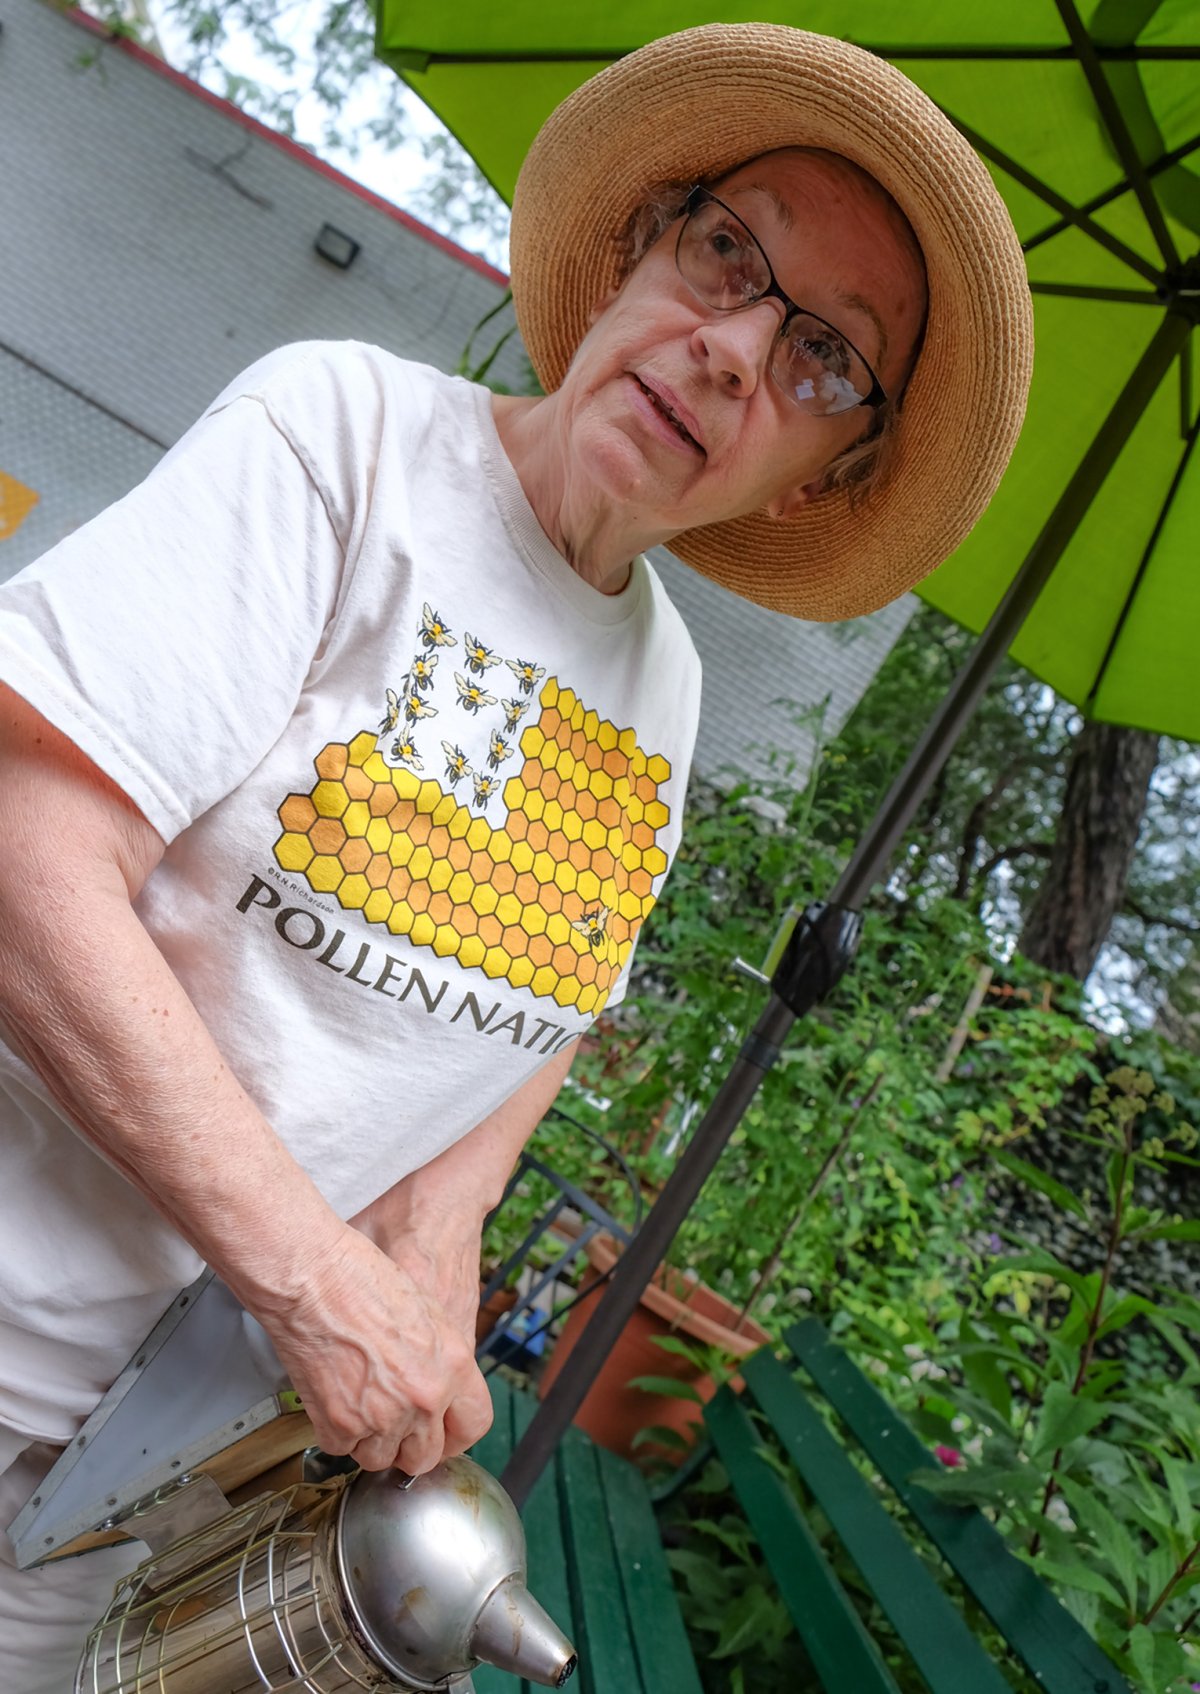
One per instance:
(660, 1640)
(934, 1632)
(1052, 1645)
(840, 1648)
(607, 1664)
(548, 1578)
(492, 1452)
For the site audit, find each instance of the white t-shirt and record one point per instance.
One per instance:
(420, 785)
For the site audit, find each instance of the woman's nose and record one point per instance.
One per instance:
(735, 346)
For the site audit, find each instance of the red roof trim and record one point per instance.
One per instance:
(292, 148)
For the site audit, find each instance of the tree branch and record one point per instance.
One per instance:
(1157, 920)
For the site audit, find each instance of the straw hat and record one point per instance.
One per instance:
(693, 106)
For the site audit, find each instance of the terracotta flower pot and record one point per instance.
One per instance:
(613, 1413)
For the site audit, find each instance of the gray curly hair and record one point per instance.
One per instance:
(860, 467)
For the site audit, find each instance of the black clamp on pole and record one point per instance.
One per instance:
(816, 955)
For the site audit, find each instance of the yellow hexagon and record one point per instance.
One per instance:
(500, 846)
(514, 793)
(294, 852)
(376, 768)
(565, 876)
(471, 952)
(634, 808)
(601, 784)
(532, 741)
(401, 850)
(325, 873)
(565, 702)
(591, 725)
(354, 892)
(658, 768)
(406, 783)
(544, 980)
(572, 826)
(587, 886)
(484, 898)
(441, 875)
(361, 748)
(567, 991)
(615, 841)
(637, 763)
(543, 867)
(565, 764)
(558, 928)
(508, 909)
(521, 854)
(533, 920)
(627, 741)
(460, 823)
(588, 997)
(654, 860)
(534, 804)
(521, 972)
(478, 833)
(421, 863)
(401, 920)
(462, 886)
(428, 796)
(656, 814)
(552, 815)
(446, 940)
(378, 907)
(379, 835)
(445, 809)
(606, 735)
(496, 962)
(423, 930)
(330, 799)
(622, 791)
(551, 694)
(630, 906)
(356, 817)
(594, 834)
(631, 856)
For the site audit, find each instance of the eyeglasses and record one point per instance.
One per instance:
(814, 364)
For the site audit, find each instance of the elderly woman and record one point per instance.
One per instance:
(345, 756)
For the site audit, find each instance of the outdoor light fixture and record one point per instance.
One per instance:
(336, 246)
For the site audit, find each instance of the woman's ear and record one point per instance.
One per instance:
(602, 305)
(788, 505)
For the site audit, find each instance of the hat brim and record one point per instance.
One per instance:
(693, 106)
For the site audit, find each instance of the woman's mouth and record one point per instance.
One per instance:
(664, 411)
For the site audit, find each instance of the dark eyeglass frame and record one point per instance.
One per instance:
(700, 196)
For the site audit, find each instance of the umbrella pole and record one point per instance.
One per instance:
(825, 938)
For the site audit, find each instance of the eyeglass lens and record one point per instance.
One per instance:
(816, 367)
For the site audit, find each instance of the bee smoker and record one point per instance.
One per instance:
(375, 1581)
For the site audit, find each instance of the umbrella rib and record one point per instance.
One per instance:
(1143, 565)
(1110, 194)
(1076, 291)
(1185, 390)
(1071, 214)
(1118, 130)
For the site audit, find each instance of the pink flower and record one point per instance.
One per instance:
(949, 1456)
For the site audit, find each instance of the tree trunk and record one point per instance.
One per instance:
(1084, 886)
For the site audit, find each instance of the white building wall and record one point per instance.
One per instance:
(155, 242)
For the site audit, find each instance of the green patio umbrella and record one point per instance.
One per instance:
(1086, 566)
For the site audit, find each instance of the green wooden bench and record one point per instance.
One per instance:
(597, 1564)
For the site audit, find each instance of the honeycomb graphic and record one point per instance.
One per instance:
(550, 900)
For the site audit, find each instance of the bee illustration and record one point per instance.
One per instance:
(479, 658)
(404, 749)
(498, 750)
(485, 787)
(470, 695)
(433, 631)
(421, 674)
(592, 925)
(416, 707)
(514, 711)
(456, 763)
(391, 717)
(527, 673)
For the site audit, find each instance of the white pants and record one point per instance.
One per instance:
(45, 1614)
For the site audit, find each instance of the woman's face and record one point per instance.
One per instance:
(838, 248)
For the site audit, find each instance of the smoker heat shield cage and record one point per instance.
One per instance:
(251, 1603)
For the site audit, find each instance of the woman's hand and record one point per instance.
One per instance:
(386, 1371)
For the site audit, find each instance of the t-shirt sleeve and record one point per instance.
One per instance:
(171, 637)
